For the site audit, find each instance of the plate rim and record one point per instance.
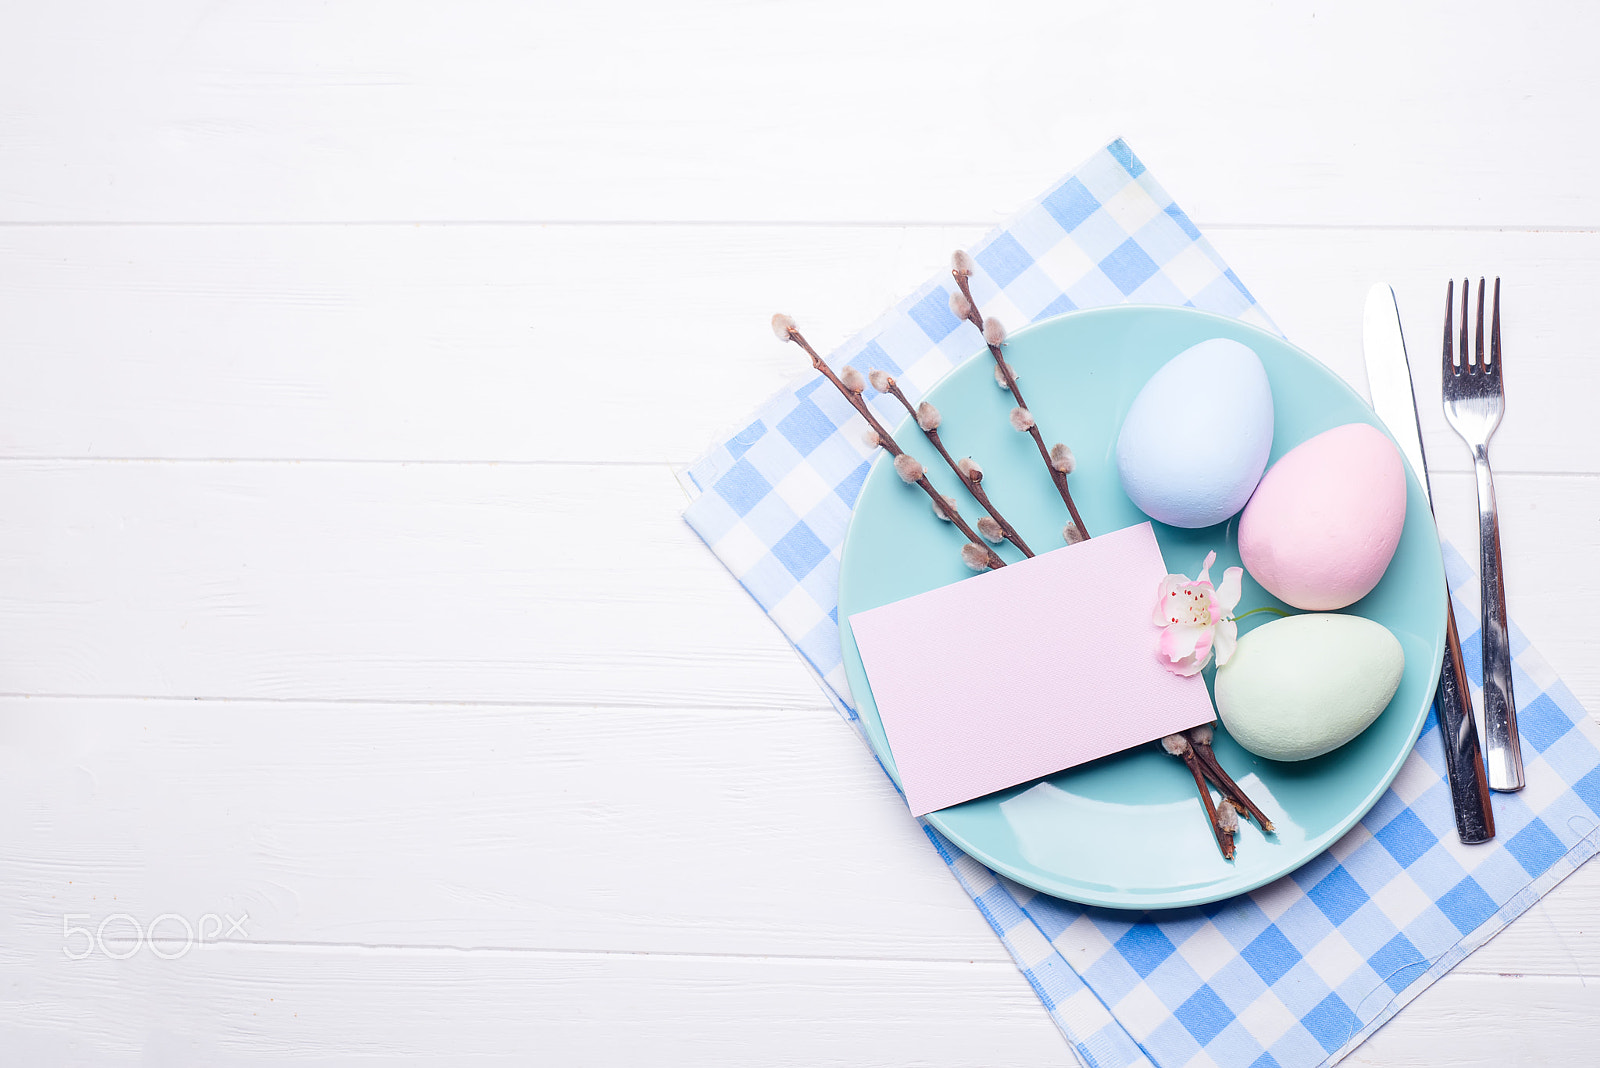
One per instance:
(1179, 898)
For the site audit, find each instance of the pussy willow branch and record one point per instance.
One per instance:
(1178, 745)
(975, 317)
(1200, 738)
(974, 486)
(887, 441)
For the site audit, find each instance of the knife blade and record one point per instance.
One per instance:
(1395, 401)
(1389, 378)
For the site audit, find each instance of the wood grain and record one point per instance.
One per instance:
(1357, 115)
(594, 344)
(528, 584)
(659, 831)
(361, 582)
(230, 1004)
(571, 829)
(346, 351)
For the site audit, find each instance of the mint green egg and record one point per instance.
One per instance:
(1299, 687)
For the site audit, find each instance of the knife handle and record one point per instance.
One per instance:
(1469, 786)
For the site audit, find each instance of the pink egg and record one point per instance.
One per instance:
(1325, 520)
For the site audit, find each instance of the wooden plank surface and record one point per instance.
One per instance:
(346, 354)
(594, 344)
(552, 828)
(521, 583)
(227, 1004)
(510, 583)
(1361, 115)
(471, 827)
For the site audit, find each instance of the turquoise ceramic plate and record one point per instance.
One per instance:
(1127, 831)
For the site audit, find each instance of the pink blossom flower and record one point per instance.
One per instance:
(1196, 619)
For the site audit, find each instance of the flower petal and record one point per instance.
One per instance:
(1205, 569)
(1227, 640)
(1179, 641)
(1231, 590)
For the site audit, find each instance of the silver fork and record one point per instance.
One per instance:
(1474, 401)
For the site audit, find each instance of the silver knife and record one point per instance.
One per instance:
(1389, 377)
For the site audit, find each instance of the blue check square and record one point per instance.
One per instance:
(1144, 947)
(806, 427)
(1271, 955)
(849, 487)
(1204, 1015)
(1070, 203)
(933, 314)
(1540, 722)
(1331, 1023)
(1003, 259)
(742, 487)
(1128, 266)
(874, 356)
(1398, 963)
(1466, 905)
(1588, 789)
(800, 551)
(1338, 895)
(1536, 847)
(1406, 838)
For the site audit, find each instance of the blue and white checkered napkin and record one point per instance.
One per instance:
(1299, 972)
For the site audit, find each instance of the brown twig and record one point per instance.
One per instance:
(972, 479)
(942, 507)
(995, 339)
(1228, 825)
(1200, 739)
(1178, 745)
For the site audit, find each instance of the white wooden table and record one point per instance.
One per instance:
(346, 614)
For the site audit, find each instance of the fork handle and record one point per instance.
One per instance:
(1502, 750)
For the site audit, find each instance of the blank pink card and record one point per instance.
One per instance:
(1018, 673)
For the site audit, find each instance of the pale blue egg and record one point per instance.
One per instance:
(1196, 439)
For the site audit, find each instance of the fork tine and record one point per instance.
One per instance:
(1494, 333)
(1479, 353)
(1466, 353)
(1449, 334)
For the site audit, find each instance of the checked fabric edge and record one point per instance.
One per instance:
(1463, 583)
(1531, 667)
(757, 502)
(1092, 1032)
